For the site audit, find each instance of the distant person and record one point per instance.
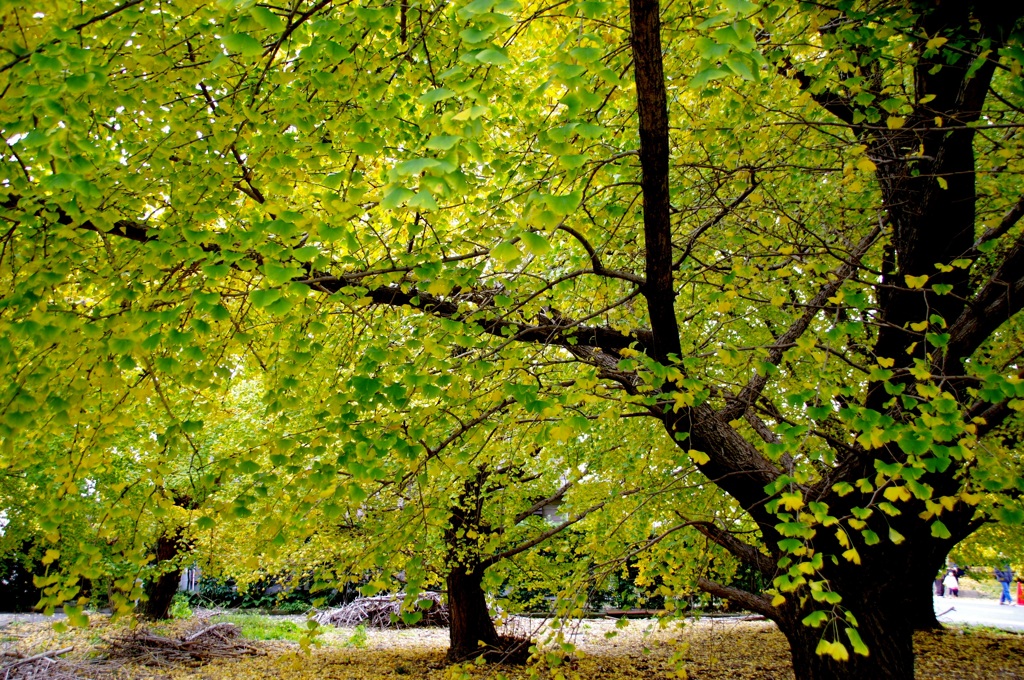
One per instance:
(951, 583)
(940, 589)
(1005, 578)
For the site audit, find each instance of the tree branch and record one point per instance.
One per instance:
(750, 601)
(556, 333)
(553, 498)
(740, 549)
(595, 261)
(1000, 298)
(739, 405)
(539, 538)
(695, 234)
(1010, 218)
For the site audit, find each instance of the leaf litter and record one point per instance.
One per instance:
(713, 649)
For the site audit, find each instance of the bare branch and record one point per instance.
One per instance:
(741, 549)
(695, 234)
(757, 603)
(595, 261)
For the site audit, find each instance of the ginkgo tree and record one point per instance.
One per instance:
(451, 502)
(787, 232)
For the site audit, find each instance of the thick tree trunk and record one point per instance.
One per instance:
(891, 657)
(160, 591)
(471, 631)
(922, 604)
(880, 598)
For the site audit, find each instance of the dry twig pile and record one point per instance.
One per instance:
(219, 641)
(43, 665)
(384, 611)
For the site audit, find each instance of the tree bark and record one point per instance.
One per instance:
(471, 631)
(891, 646)
(881, 595)
(160, 591)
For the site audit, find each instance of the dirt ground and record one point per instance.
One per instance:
(710, 649)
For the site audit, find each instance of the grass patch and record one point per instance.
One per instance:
(262, 627)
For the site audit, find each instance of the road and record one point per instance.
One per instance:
(979, 612)
(956, 610)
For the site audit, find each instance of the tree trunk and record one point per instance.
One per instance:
(891, 656)
(161, 590)
(922, 605)
(471, 631)
(880, 600)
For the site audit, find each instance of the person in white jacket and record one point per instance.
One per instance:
(951, 583)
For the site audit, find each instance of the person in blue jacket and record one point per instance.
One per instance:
(1005, 577)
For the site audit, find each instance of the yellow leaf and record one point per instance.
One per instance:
(915, 282)
(682, 400)
(942, 182)
(895, 122)
(897, 493)
(698, 457)
(852, 555)
(865, 165)
(935, 43)
(791, 501)
(970, 498)
(778, 599)
(919, 326)
(885, 362)
(50, 556)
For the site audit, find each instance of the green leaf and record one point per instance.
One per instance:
(815, 618)
(416, 166)
(535, 243)
(267, 19)
(443, 142)
(492, 56)
(741, 67)
(586, 55)
(475, 35)
(433, 96)
(939, 530)
(248, 467)
(278, 274)
(262, 298)
(706, 75)
(243, 44)
(710, 50)
(506, 252)
(856, 642)
(396, 196)
(565, 205)
(365, 148)
(423, 200)
(79, 83)
(740, 6)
